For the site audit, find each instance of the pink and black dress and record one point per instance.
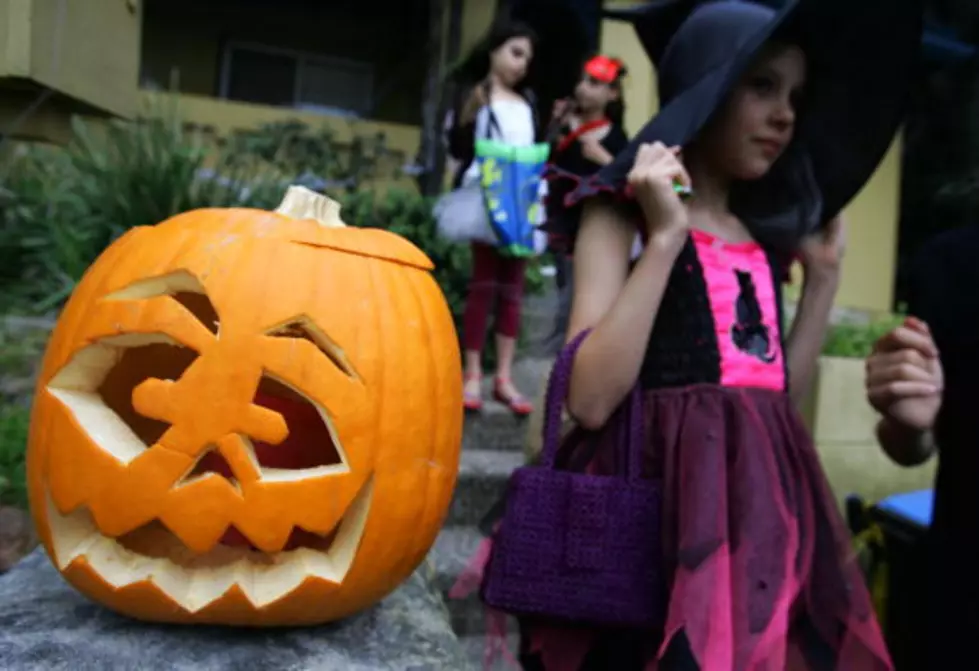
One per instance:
(762, 574)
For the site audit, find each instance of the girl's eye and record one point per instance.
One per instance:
(763, 85)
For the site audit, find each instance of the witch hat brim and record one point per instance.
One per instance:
(861, 58)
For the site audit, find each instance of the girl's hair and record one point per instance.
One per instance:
(615, 110)
(610, 71)
(476, 65)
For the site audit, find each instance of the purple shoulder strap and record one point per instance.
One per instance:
(558, 386)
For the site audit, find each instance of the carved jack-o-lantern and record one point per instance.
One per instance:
(247, 417)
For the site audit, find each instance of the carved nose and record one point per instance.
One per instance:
(164, 401)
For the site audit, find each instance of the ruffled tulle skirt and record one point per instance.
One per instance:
(763, 575)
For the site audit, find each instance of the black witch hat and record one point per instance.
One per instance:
(861, 57)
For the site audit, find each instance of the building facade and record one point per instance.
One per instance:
(358, 67)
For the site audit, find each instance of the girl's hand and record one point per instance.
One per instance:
(822, 252)
(904, 376)
(562, 106)
(652, 177)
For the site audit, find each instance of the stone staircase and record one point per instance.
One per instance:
(493, 444)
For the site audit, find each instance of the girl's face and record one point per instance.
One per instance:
(758, 121)
(593, 95)
(510, 61)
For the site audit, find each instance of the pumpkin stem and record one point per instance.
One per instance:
(302, 203)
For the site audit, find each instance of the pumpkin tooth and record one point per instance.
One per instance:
(194, 581)
(208, 584)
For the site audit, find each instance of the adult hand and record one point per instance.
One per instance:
(904, 376)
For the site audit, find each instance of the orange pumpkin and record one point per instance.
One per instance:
(247, 417)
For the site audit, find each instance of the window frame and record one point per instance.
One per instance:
(302, 58)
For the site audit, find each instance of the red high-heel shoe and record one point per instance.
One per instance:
(518, 404)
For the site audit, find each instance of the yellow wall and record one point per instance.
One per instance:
(88, 50)
(97, 59)
(872, 217)
(477, 16)
(872, 228)
(618, 38)
(86, 53)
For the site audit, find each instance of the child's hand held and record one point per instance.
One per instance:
(904, 376)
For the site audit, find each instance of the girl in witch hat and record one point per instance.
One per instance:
(586, 133)
(771, 121)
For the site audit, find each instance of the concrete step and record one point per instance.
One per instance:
(453, 551)
(483, 477)
(475, 649)
(495, 427)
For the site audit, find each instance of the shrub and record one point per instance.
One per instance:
(856, 341)
(60, 208)
(14, 420)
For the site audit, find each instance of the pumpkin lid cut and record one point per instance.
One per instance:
(302, 203)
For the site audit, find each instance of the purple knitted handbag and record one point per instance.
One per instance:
(574, 546)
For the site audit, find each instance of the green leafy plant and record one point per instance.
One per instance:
(856, 341)
(14, 421)
(410, 215)
(60, 208)
(317, 156)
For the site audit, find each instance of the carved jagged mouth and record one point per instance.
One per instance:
(99, 387)
(192, 580)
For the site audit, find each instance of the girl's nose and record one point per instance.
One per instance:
(783, 116)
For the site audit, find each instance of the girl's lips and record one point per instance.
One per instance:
(770, 147)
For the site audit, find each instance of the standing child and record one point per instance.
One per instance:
(589, 134)
(775, 120)
(497, 104)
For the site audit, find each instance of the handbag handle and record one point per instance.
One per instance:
(558, 386)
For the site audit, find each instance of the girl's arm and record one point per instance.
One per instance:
(821, 254)
(593, 150)
(805, 341)
(621, 307)
(462, 134)
(618, 305)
